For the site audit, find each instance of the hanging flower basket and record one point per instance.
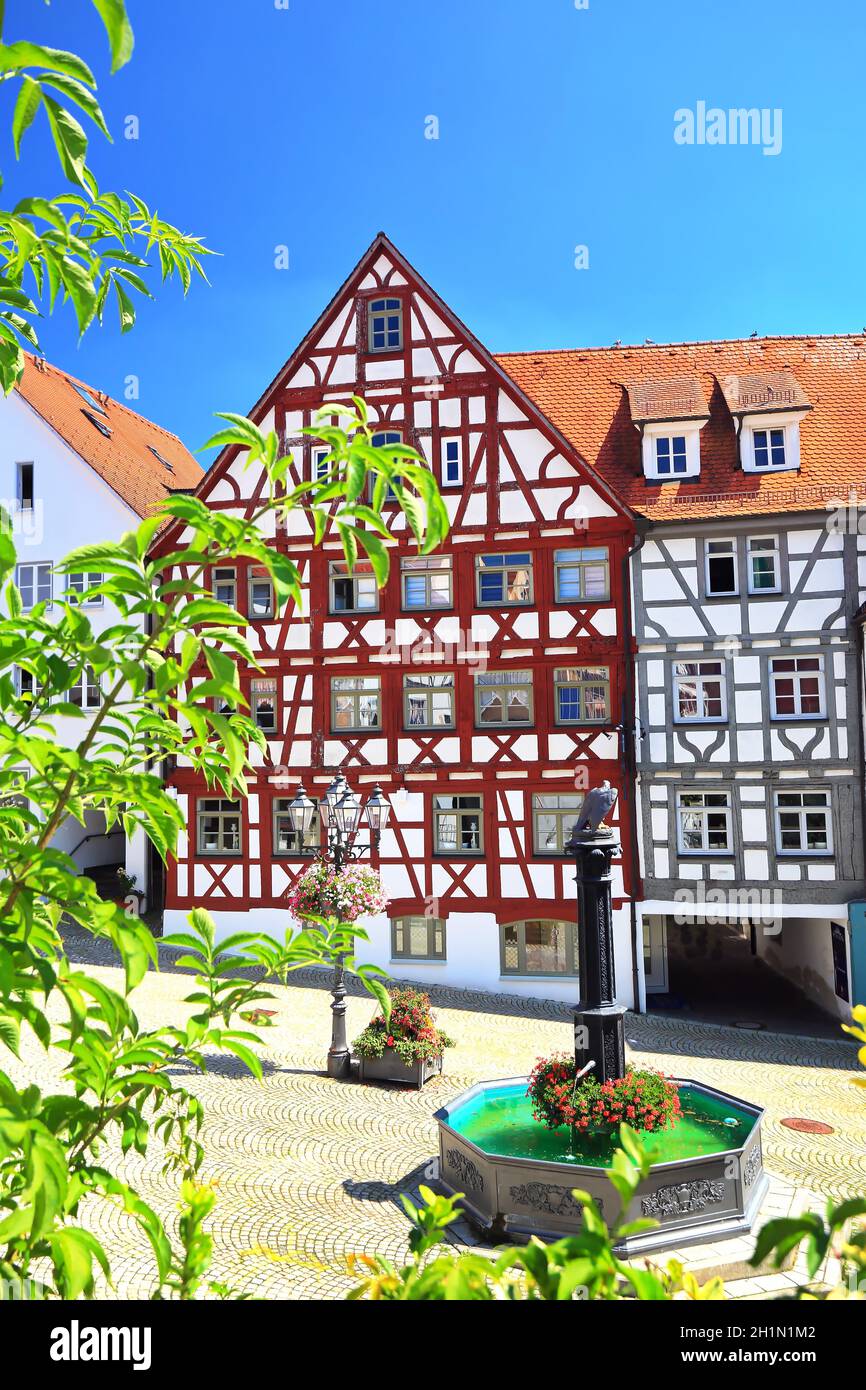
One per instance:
(353, 893)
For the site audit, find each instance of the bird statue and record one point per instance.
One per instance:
(597, 804)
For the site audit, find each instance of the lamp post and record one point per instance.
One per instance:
(341, 810)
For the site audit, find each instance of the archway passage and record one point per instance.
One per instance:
(714, 973)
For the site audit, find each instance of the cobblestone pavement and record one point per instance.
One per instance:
(309, 1170)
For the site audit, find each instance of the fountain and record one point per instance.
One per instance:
(707, 1178)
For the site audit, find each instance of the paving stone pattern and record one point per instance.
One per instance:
(309, 1170)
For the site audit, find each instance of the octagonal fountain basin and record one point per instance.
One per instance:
(707, 1179)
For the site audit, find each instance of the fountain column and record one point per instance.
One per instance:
(599, 1032)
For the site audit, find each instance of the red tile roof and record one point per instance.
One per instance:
(125, 459)
(584, 392)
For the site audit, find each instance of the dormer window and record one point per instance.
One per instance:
(671, 455)
(669, 413)
(769, 447)
(671, 451)
(767, 408)
(385, 322)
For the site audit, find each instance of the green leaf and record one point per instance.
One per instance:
(14, 56)
(119, 30)
(28, 103)
(69, 139)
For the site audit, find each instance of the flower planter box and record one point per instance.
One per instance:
(391, 1068)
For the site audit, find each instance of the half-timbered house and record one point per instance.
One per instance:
(484, 687)
(747, 463)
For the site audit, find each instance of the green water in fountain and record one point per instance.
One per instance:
(499, 1120)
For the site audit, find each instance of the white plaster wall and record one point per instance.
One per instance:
(804, 955)
(73, 506)
(472, 943)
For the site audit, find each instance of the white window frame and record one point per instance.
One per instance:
(36, 578)
(445, 481)
(90, 686)
(721, 540)
(802, 812)
(263, 690)
(80, 585)
(699, 681)
(672, 429)
(798, 697)
(225, 577)
(320, 468)
(703, 811)
(771, 544)
(785, 421)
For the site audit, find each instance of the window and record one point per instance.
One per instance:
(260, 593)
(87, 691)
(671, 455)
(427, 581)
(25, 682)
(89, 398)
(25, 486)
(553, 817)
(353, 590)
(219, 826)
(704, 822)
(503, 697)
(581, 694)
(769, 448)
(263, 698)
(803, 823)
(428, 701)
(797, 687)
(321, 463)
(721, 568)
(97, 423)
(504, 579)
(80, 586)
(764, 570)
(457, 825)
(34, 584)
(162, 459)
(225, 586)
(699, 691)
(286, 838)
(379, 441)
(581, 574)
(418, 938)
(355, 702)
(539, 948)
(385, 322)
(452, 462)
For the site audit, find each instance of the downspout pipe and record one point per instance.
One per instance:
(629, 751)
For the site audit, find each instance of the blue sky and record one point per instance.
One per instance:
(305, 127)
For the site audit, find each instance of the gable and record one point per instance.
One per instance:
(438, 383)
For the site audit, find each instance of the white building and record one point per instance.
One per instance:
(76, 468)
(748, 462)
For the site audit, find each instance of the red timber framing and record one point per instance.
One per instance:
(522, 489)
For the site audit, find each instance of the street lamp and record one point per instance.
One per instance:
(341, 810)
